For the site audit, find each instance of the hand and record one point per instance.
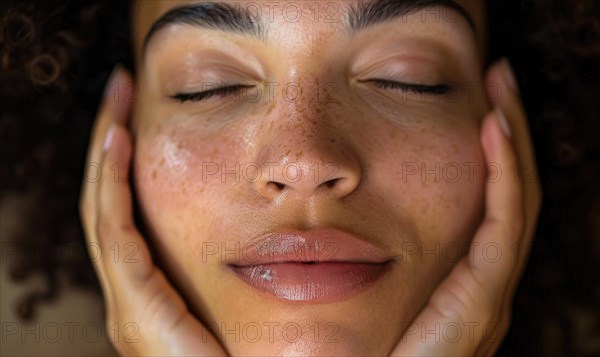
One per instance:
(145, 314)
(477, 294)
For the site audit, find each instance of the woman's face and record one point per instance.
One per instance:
(312, 145)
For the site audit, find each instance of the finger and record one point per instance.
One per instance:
(114, 107)
(111, 110)
(471, 293)
(502, 225)
(504, 93)
(129, 261)
(501, 76)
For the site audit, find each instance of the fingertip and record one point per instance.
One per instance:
(113, 79)
(119, 93)
(503, 122)
(508, 74)
(495, 129)
(115, 197)
(487, 134)
(118, 143)
(108, 138)
(494, 83)
(501, 82)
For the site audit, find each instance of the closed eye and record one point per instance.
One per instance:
(410, 87)
(204, 95)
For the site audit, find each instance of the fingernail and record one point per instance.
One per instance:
(112, 80)
(503, 122)
(109, 137)
(509, 74)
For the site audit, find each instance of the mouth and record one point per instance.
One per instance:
(318, 266)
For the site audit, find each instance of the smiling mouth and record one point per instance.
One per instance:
(318, 266)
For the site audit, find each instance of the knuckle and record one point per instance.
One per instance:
(128, 228)
(108, 226)
(154, 299)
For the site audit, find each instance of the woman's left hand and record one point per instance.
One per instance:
(469, 312)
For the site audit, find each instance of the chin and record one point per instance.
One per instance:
(316, 341)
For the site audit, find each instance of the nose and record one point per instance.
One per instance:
(307, 156)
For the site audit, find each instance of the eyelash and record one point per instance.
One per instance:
(411, 87)
(199, 96)
(381, 83)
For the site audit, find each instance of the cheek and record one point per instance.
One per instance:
(438, 178)
(176, 187)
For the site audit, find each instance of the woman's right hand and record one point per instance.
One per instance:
(145, 314)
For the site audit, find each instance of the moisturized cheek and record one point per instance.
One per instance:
(173, 196)
(176, 157)
(185, 170)
(163, 165)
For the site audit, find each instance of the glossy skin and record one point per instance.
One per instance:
(374, 141)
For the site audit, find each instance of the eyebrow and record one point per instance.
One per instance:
(374, 12)
(228, 18)
(212, 15)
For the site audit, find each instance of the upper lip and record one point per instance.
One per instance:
(310, 246)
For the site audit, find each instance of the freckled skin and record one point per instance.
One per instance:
(197, 162)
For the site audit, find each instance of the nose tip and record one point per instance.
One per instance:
(305, 180)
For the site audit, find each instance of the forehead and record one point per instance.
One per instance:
(304, 16)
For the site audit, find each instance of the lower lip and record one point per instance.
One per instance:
(321, 282)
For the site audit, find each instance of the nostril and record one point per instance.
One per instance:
(279, 185)
(331, 182)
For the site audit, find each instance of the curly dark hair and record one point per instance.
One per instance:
(55, 57)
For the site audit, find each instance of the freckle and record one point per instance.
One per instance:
(154, 174)
(333, 140)
(299, 155)
(162, 162)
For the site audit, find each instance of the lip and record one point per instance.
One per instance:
(316, 266)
